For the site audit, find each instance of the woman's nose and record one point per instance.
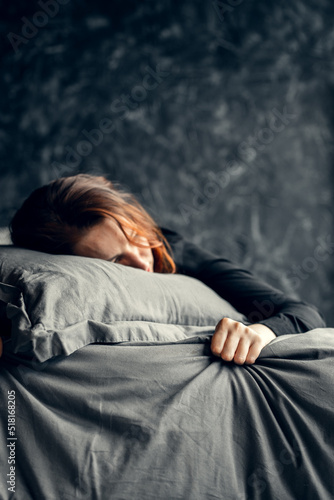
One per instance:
(136, 260)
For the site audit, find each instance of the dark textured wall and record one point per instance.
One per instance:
(218, 115)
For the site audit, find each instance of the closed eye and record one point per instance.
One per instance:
(115, 260)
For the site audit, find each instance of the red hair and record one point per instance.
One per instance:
(52, 219)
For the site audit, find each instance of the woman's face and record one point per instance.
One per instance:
(106, 241)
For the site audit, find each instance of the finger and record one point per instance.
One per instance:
(230, 345)
(253, 353)
(222, 331)
(218, 340)
(237, 332)
(241, 351)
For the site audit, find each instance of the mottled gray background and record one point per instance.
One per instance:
(231, 145)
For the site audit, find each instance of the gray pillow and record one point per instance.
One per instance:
(5, 236)
(58, 303)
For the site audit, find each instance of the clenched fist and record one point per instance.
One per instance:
(235, 341)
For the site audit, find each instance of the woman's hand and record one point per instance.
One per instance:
(233, 340)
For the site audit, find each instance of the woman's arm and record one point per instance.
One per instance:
(260, 302)
(270, 312)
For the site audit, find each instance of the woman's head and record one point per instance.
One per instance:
(89, 215)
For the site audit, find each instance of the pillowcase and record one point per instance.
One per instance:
(59, 303)
(5, 236)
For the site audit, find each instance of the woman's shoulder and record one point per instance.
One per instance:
(188, 257)
(170, 235)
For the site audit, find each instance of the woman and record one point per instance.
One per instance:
(89, 216)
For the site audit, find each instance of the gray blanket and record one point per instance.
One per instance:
(152, 421)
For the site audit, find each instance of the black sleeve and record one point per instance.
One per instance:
(261, 303)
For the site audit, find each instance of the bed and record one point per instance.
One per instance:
(109, 391)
